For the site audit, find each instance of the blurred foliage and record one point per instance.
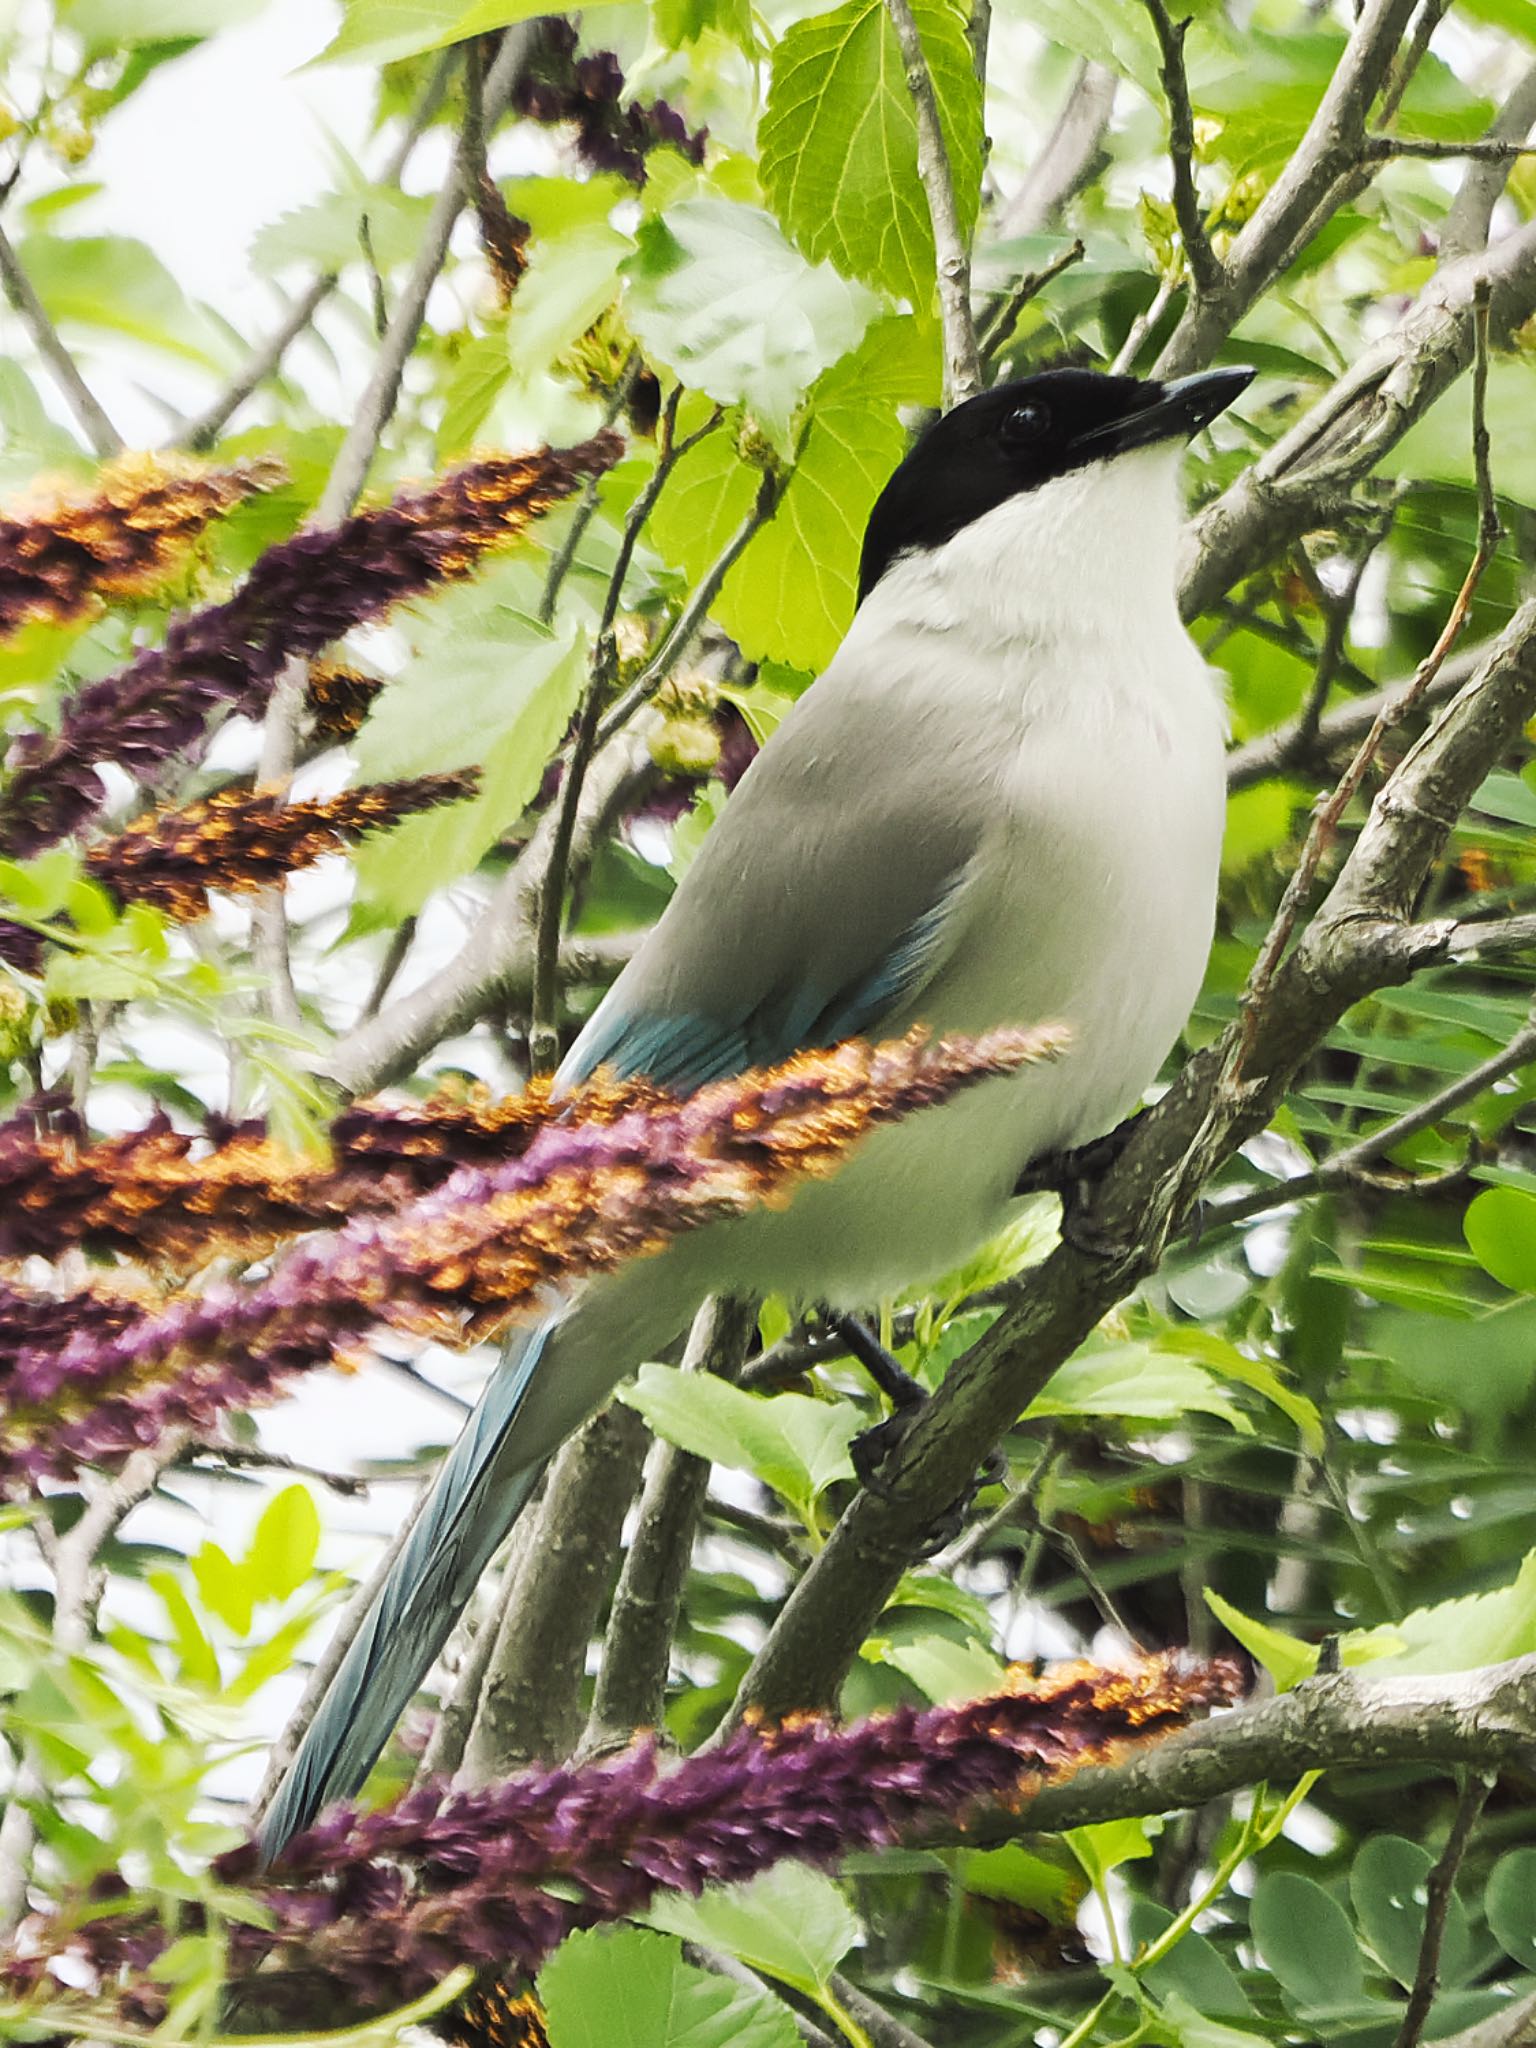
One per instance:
(1316, 1424)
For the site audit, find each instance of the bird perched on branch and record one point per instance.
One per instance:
(1001, 805)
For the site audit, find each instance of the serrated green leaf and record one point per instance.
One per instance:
(719, 297)
(285, 1545)
(1458, 1635)
(1218, 1355)
(327, 234)
(942, 1668)
(117, 283)
(794, 1444)
(1287, 1661)
(381, 31)
(1137, 1382)
(626, 1987)
(1104, 1845)
(568, 282)
(487, 685)
(791, 1922)
(839, 141)
(791, 596)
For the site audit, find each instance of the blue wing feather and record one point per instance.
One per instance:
(686, 1051)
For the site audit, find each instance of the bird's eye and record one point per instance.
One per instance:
(1027, 422)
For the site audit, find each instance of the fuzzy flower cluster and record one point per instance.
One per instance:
(238, 841)
(119, 540)
(338, 698)
(177, 1201)
(298, 597)
(383, 1904)
(558, 85)
(458, 1263)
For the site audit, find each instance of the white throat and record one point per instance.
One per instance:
(1088, 555)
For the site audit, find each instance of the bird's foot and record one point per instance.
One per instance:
(1072, 1175)
(873, 1448)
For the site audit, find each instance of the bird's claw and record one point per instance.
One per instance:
(873, 1448)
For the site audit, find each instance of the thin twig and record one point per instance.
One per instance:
(1340, 613)
(30, 310)
(586, 505)
(400, 942)
(1326, 820)
(1067, 156)
(1342, 1168)
(269, 924)
(1487, 150)
(1142, 326)
(1465, 228)
(543, 1030)
(252, 1458)
(997, 327)
(263, 361)
(1205, 270)
(1440, 1888)
(691, 617)
(962, 361)
(631, 1684)
(74, 1559)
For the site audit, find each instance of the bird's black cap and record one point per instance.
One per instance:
(1020, 435)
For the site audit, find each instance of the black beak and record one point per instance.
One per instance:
(1178, 412)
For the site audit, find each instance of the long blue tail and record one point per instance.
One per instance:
(471, 1507)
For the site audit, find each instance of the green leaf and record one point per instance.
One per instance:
(624, 1987)
(225, 1587)
(1106, 1844)
(106, 24)
(1014, 1874)
(794, 1444)
(1193, 1969)
(198, 1660)
(116, 283)
(791, 1922)
(285, 1545)
(1510, 1902)
(1137, 1382)
(1222, 1357)
(487, 685)
(720, 297)
(791, 596)
(1459, 1635)
(839, 141)
(1287, 1661)
(1387, 1889)
(679, 23)
(1305, 1938)
(327, 234)
(942, 1668)
(1196, 2030)
(1500, 1228)
(380, 31)
(568, 282)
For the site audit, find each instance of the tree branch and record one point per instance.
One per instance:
(1440, 1889)
(104, 438)
(269, 923)
(962, 362)
(1465, 228)
(530, 1704)
(637, 1650)
(1205, 270)
(1067, 156)
(1273, 753)
(201, 433)
(1328, 153)
(1392, 383)
(1483, 1719)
